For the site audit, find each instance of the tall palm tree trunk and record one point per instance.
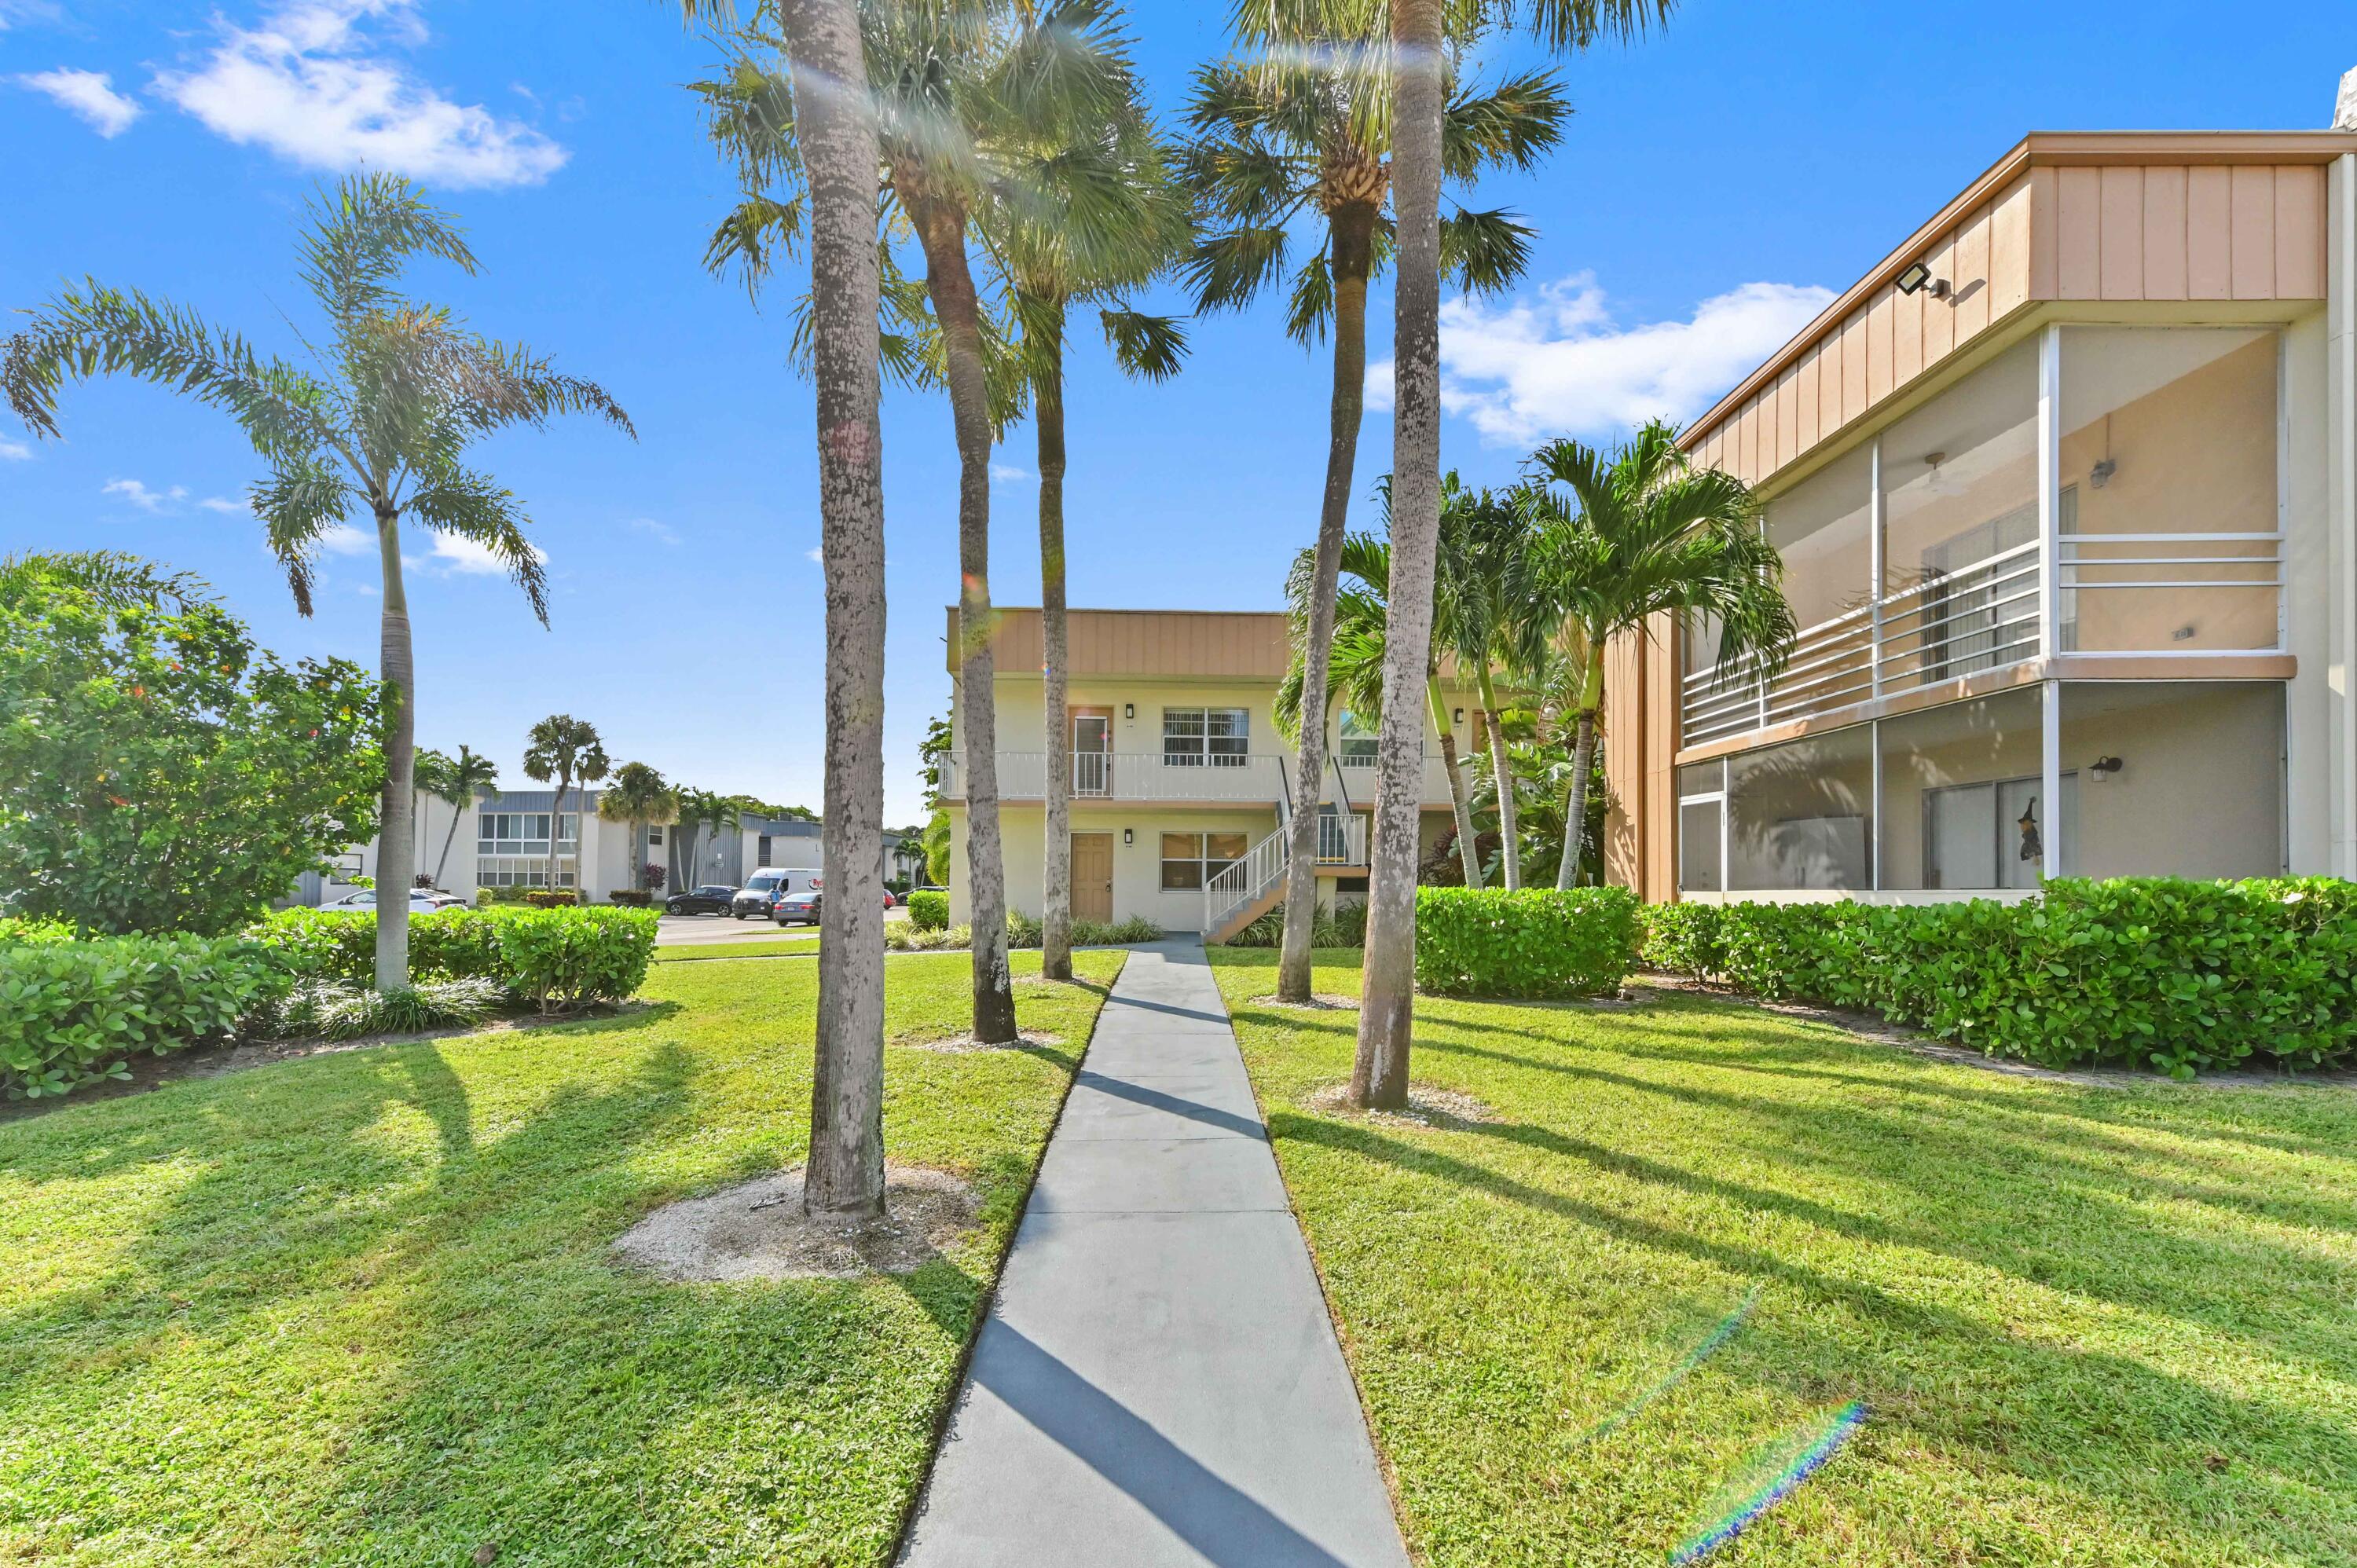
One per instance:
(940, 228)
(1352, 233)
(396, 843)
(1047, 413)
(1582, 762)
(1502, 767)
(1461, 799)
(838, 132)
(556, 828)
(1387, 1014)
(443, 862)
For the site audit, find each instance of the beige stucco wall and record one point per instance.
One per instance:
(1137, 866)
(2199, 794)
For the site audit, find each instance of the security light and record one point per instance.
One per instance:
(1917, 277)
(1129, 835)
(1129, 710)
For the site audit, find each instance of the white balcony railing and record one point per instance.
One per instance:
(1257, 779)
(1951, 624)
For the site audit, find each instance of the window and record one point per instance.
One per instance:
(654, 836)
(1801, 814)
(1357, 741)
(1201, 738)
(762, 851)
(1702, 826)
(1191, 860)
(1957, 782)
(523, 832)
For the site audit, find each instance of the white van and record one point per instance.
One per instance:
(763, 888)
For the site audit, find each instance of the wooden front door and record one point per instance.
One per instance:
(1092, 876)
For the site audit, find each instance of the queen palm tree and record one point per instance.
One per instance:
(381, 425)
(1484, 594)
(1303, 129)
(1087, 219)
(429, 773)
(565, 749)
(1637, 532)
(468, 779)
(640, 797)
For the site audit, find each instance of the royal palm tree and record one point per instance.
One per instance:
(805, 137)
(1633, 533)
(468, 779)
(1484, 594)
(381, 425)
(567, 750)
(640, 797)
(1085, 221)
(1299, 135)
(429, 773)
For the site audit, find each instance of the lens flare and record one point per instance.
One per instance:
(1792, 1465)
(1677, 1374)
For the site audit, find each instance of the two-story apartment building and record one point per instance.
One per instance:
(1180, 779)
(2066, 490)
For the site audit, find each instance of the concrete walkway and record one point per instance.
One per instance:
(1158, 1382)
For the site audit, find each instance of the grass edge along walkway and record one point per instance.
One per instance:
(2082, 1322)
(359, 1307)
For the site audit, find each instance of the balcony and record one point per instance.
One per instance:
(1257, 779)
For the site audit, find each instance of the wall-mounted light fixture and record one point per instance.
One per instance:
(1129, 835)
(2101, 474)
(1129, 710)
(1917, 278)
(1457, 717)
(2104, 767)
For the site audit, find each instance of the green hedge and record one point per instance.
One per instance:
(2180, 976)
(555, 959)
(1539, 942)
(72, 1013)
(929, 911)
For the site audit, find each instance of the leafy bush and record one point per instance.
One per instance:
(71, 1011)
(1332, 928)
(636, 898)
(2180, 976)
(557, 959)
(1538, 942)
(551, 898)
(338, 1010)
(16, 931)
(928, 910)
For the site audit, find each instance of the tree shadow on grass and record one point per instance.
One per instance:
(2131, 1420)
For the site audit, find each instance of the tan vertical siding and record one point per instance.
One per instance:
(2254, 266)
(2163, 238)
(2300, 232)
(2009, 250)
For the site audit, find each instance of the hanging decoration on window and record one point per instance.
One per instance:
(2031, 848)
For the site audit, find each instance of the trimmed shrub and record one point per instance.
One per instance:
(551, 898)
(71, 1013)
(2179, 976)
(19, 930)
(637, 897)
(928, 910)
(557, 959)
(1537, 943)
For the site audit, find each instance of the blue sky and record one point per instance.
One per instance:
(1715, 181)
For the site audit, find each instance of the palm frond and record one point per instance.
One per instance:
(753, 234)
(362, 233)
(1150, 347)
(1229, 269)
(1483, 253)
(1311, 305)
(1513, 123)
(474, 506)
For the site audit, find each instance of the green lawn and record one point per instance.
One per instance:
(2090, 1325)
(357, 1308)
(751, 947)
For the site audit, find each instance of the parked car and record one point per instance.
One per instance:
(422, 900)
(711, 900)
(761, 888)
(890, 902)
(792, 909)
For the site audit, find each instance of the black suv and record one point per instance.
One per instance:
(700, 901)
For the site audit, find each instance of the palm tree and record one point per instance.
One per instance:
(1304, 128)
(429, 772)
(812, 130)
(1088, 218)
(1637, 532)
(639, 797)
(1362, 634)
(382, 425)
(701, 811)
(566, 749)
(1484, 592)
(468, 780)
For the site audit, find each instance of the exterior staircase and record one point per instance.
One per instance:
(1243, 891)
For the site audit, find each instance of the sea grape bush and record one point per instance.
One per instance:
(1538, 942)
(2180, 976)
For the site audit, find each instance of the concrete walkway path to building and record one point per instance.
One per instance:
(1158, 1382)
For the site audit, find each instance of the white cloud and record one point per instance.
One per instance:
(89, 93)
(343, 539)
(1009, 473)
(815, 554)
(222, 503)
(1560, 365)
(304, 84)
(146, 499)
(453, 553)
(14, 452)
(14, 11)
(662, 530)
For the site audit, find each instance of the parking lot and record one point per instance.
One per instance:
(687, 930)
